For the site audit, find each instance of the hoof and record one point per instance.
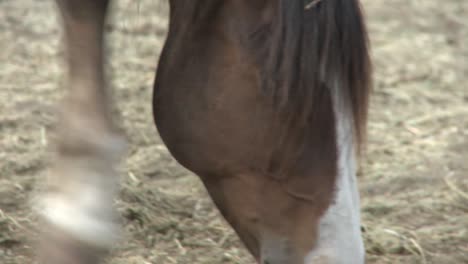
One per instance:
(58, 247)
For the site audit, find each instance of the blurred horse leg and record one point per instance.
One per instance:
(77, 207)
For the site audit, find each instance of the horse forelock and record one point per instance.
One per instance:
(313, 49)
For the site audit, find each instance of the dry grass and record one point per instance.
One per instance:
(414, 185)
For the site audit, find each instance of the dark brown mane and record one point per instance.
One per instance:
(330, 41)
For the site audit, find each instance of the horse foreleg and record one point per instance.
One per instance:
(77, 206)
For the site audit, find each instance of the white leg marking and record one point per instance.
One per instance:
(81, 204)
(81, 219)
(340, 238)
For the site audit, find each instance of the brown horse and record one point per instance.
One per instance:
(265, 100)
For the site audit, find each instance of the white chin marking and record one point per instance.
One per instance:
(86, 224)
(340, 238)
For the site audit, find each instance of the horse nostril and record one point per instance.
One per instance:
(266, 262)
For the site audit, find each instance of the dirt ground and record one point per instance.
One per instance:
(414, 180)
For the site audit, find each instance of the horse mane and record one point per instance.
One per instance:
(329, 40)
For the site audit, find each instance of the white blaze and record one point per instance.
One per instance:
(340, 239)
